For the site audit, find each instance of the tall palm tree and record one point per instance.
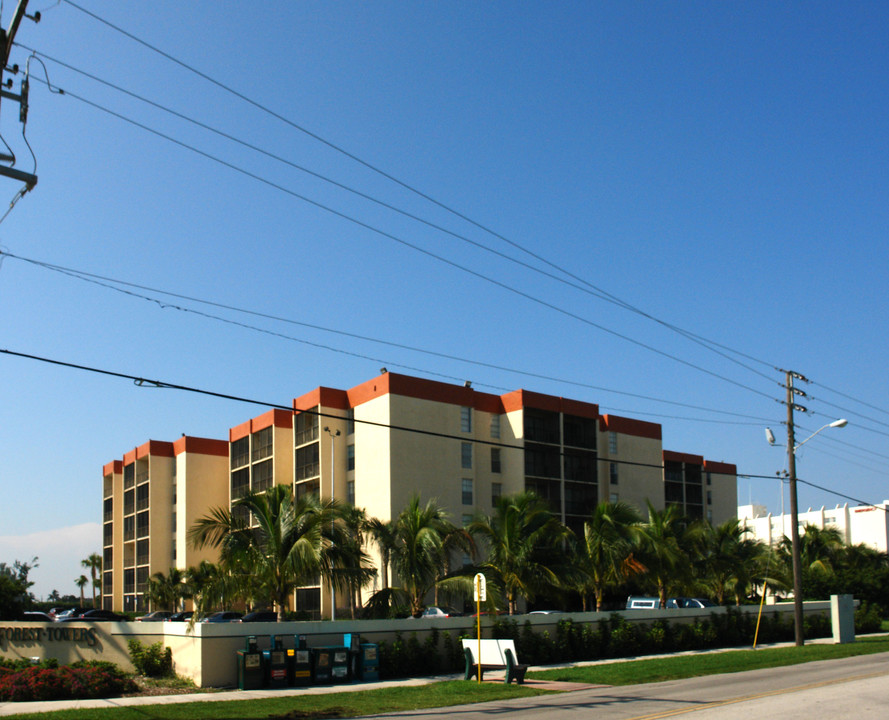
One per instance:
(666, 540)
(81, 582)
(523, 541)
(423, 538)
(290, 544)
(94, 564)
(728, 559)
(352, 569)
(384, 535)
(605, 556)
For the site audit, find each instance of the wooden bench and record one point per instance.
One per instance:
(495, 655)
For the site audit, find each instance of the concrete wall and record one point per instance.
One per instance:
(207, 652)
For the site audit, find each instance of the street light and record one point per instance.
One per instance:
(794, 515)
(334, 434)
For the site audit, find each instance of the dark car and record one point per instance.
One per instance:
(155, 616)
(260, 616)
(71, 614)
(37, 616)
(183, 616)
(684, 602)
(97, 615)
(223, 616)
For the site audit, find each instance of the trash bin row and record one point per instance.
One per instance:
(301, 665)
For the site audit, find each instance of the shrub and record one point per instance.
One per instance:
(62, 683)
(151, 660)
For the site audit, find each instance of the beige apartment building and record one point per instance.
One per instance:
(384, 441)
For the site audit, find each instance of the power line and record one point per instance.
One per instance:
(711, 345)
(428, 253)
(140, 381)
(109, 283)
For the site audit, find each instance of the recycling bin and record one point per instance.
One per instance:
(250, 671)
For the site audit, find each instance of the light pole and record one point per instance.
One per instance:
(794, 509)
(333, 436)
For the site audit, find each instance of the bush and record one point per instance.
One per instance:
(62, 683)
(152, 660)
(868, 618)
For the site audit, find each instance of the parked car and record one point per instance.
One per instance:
(37, 616)
(545, 612)
(440, 612)
(71, 613)
(183, 616)
(260, 616)
(223, 616)
(97, 615)
(684, 602)
(156, 616)
(643, 603)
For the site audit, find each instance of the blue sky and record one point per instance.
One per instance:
(720, 166)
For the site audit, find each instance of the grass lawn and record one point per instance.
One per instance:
(444, 694)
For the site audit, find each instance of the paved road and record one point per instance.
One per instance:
(854, 687)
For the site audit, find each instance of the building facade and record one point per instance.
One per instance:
(862, 524)
(380, 443)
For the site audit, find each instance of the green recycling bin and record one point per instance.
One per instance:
(250, 671)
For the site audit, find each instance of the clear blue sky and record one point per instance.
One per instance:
(721, 166)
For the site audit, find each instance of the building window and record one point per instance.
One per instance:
(709, 497)
(262, 444)
(466, 456)
(612, 471)
(612, 442)
(307, 464)
(350, 457)
(496, 492)
(495, 460)
(466, 419)
(263, 477)
(240, 452)
(350, 421)
(305, 428)
(709, 479)
(467, 491)
(350, 492)
(614, 497)
(466, 519)
(495, 426)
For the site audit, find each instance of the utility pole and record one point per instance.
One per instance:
(7, 37)
(794, 509)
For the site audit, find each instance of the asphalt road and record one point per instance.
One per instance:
(855, 687)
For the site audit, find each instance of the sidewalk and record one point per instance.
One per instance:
(12, 708)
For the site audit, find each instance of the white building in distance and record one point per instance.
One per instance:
(861, 524)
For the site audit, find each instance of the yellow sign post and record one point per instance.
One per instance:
(481, 594)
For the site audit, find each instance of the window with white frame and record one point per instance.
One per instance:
(612, 442)
(350, 456)
(495, 460)
(496, 492)
(612, 473)
(495, 426)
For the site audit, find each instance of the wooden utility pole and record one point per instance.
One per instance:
(794, 508)
(7, 37)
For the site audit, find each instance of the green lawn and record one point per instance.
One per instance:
(369, 702)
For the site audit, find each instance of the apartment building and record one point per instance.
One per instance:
(150, 500)
(395, 436)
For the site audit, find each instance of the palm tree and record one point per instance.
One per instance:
(667, 534)
(523, 540)
(384, 535)
(81, 582)
(165, 592)
(423, 539)
(352, 569)
(289, 545)
(728, 560)
(605, 556)
(94, 564)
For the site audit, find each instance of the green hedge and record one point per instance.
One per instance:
(612, 638)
